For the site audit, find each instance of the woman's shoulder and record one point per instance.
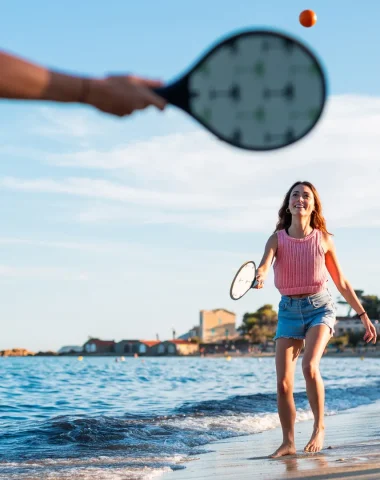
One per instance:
(326, 240)
(325, 235)
(273, 239)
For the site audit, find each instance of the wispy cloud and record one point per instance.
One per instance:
(88, 247)
(42, 272)
(191, 179)
(87, 187)
(66, 123)
(119, 248)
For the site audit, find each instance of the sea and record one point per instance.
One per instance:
(107, 419)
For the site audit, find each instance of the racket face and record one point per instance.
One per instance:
(243, 280)
(258, 90)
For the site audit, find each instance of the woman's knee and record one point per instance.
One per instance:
(284, 386)
(310, 369)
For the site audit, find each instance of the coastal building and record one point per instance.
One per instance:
(237, 346)
(70, 349)
(95, 345)
(345, 325)
(131, 347)
(216, 325)
(174, 347)
(192, 333)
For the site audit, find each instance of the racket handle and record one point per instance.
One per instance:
(254, 284)
(176, 93)
(166, 93)
(159, 91)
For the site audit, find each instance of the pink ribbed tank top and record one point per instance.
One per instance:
(300, 264)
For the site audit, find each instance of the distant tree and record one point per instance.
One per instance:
(339, 341)
(195, 340)
(355, 337)
(259, 325)
(371, 304)
(342, 301)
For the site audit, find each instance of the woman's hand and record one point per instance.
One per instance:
(370, 330)
(259, 281)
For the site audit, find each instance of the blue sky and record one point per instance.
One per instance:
(125, 228)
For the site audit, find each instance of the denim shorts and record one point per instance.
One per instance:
(297, 315)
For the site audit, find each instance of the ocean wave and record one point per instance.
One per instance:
(139, 439)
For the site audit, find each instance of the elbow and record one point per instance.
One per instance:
(343, 285)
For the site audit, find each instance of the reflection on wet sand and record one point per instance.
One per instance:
(297, 463)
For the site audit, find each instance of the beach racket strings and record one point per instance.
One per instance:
(244, 280)
(257, 90)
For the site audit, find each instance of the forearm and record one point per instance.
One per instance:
(348, 293)
(267, 260)
(263, 271)
(20, 79)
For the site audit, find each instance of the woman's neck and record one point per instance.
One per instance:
(300, 228)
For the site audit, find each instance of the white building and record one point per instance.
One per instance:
(71, 348)
(346, 325)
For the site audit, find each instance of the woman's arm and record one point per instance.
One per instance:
(119, 95)
(266, 261)
(345, 288)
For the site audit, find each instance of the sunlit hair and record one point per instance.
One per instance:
(317, 219)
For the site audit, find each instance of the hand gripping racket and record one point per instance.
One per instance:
(244, 280)
(257, 90)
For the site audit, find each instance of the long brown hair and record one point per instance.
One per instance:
(317, 219)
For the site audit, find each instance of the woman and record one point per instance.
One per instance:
(304, 253)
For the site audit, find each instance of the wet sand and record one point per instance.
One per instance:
(351, 451)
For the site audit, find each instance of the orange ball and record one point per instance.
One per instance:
(308, 18)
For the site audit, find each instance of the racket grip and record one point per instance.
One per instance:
(162, 92)
(176, 93)
(255, 283)
(159, 91)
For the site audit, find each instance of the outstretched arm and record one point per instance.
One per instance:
(117, 95)
(346, 290)
(266, 261)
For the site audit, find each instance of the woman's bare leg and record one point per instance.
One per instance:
(287, 352)
(316, 340)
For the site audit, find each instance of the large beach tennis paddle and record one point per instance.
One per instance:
(257, 90)
(244, 280)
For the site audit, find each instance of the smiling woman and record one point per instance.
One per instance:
(304, 254)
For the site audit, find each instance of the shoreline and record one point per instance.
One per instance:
(352, 450)
(231, 355)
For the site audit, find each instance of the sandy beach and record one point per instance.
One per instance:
(352, 450)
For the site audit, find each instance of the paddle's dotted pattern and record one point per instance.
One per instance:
(270, 87)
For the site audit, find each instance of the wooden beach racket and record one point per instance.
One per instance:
(244, 280)
(257, 90)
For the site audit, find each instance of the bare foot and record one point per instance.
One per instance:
(287, 448)
(315, 443)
